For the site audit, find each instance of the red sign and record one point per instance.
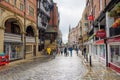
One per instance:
(91, 18)
(101, 34)
(116, 39)
(100, 41)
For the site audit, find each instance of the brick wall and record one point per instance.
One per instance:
(16, 9)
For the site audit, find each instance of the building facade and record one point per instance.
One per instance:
(19, 34)
(105, 42)
(52, 30)
(44, 8)
(73, 36)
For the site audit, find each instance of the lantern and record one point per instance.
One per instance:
(91, 18)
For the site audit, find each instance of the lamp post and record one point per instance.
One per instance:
(93, 33)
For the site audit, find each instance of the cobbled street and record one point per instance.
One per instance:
(60, 68)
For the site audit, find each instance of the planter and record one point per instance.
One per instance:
(113, 13)
(117, 8)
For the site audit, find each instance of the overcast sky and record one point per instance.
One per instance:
(70, 14)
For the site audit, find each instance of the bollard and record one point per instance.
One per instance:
(90, 61)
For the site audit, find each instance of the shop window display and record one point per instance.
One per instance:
(14, 51)
(102, 51)
(115, 54)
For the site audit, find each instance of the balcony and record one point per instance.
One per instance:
(30, 39)
(8, 37)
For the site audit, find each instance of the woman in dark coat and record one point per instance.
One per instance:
(65, 51)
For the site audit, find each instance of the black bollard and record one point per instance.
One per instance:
(90, 61)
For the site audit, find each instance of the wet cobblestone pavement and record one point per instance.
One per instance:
(60, 68)
(99, 71)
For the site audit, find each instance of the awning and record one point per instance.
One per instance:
(10, 41)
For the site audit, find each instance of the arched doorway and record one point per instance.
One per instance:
(30, 40)
(13, 39)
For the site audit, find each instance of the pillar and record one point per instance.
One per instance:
(24, 44)
(1, 39)
(36, 41)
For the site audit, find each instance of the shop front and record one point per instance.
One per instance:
(14, 50)
(114, 53)
(101, 49)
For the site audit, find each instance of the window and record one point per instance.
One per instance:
(85, 17)
(115, 54)
(31, 11)
(7, 0)
(15, 2)
(102, 51)
(46, 5)
(100, 3)
(86, 24)
(21, 7)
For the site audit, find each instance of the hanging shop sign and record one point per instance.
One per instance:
(91, 17)
(101, 34)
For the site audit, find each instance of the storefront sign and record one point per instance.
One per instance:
(101, 34)
(100, 41)
(117, 39)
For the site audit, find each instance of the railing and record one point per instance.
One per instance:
(12, 37)
(30, 39)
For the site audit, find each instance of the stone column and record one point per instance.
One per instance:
(23, 46)
(36, 41)
(1, 39)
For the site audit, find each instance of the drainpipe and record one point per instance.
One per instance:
(24, 43)
(90, 57)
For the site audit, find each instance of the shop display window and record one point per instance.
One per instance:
(115, 54)
(102, 51)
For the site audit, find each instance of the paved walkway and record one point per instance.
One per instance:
(60, 68)
(72, 69)
(98, 71)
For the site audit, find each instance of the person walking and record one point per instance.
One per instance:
(54, 53)
(77, 51)
(61, 49)
(48, 51)
(84, 52)
(65, 51)
(70, 49)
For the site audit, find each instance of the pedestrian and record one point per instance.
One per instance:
(65, 51)
(54, 53)
(84, 52)
(70, 49)
(61, 49)
(77, 51)
(48, 51)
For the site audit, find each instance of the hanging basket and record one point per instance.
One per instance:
(113, 13)
(116, 23)
(117, 8)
